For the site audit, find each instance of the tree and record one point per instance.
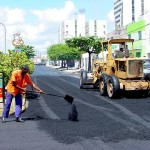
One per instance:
(13, 61)
(29, 50)
(87, 44)
(63, 52)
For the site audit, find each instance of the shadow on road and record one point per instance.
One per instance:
(34, 118)
(30, 95)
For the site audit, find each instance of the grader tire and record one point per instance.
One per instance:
(113, 87)
(147, 77)
(103, 84)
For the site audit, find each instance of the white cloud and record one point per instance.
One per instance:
(111, 16)
(55, 15)
(15, 16)
(12, 16)
(37, 28)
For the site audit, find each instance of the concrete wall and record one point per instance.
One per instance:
(147, 33)
(137, 32)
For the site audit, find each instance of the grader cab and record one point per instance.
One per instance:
(121, 73)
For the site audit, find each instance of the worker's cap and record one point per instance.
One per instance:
(24, 67)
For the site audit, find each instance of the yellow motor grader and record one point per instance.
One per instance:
(116, 74)
(93, 77)
(121, 73)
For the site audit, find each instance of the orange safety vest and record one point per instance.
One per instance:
(22, 82)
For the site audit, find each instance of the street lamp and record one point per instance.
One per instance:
(5, 35)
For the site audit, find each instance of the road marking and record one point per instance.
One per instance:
(147, 118)
(127, 112)
(109, 114)
(61, 91)
(45, 107)
(120, 107)
(106, 111)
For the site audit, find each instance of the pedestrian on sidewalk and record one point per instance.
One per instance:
(15, 88)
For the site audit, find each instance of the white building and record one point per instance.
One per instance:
(81, 27)
(96, 28)
(147, 33)
(72, 28)
(128, 11)
(66, 30)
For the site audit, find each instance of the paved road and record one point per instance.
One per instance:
(103, 124)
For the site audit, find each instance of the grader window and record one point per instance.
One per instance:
(122, 66)
(135, 67)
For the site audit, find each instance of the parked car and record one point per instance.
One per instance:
(146, 68)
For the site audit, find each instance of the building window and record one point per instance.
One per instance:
(117, 6)
(129, 36)
(117, 2)
(75, 28)
(133, 18)
(142, 7)
(140, 35)
(95, 26)
(66, 32)
(117, 17)
(118, 11)
(138, 54)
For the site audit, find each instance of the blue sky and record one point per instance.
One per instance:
(37, 21)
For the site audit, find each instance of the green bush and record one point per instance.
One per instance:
(13, 61)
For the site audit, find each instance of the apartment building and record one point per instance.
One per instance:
(80, 27)
(66, 30)
(128, 11)
(96, 28)
(133, 16)
(147, 33)
(72, 28)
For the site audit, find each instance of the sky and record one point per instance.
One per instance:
(37, 21)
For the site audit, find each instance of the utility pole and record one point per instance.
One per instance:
(5, 35)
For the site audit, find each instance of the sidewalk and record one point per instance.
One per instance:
(1, 109)
(73, 70)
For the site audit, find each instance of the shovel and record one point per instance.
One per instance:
(68, 98)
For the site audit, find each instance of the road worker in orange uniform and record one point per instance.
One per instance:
(15, 88)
